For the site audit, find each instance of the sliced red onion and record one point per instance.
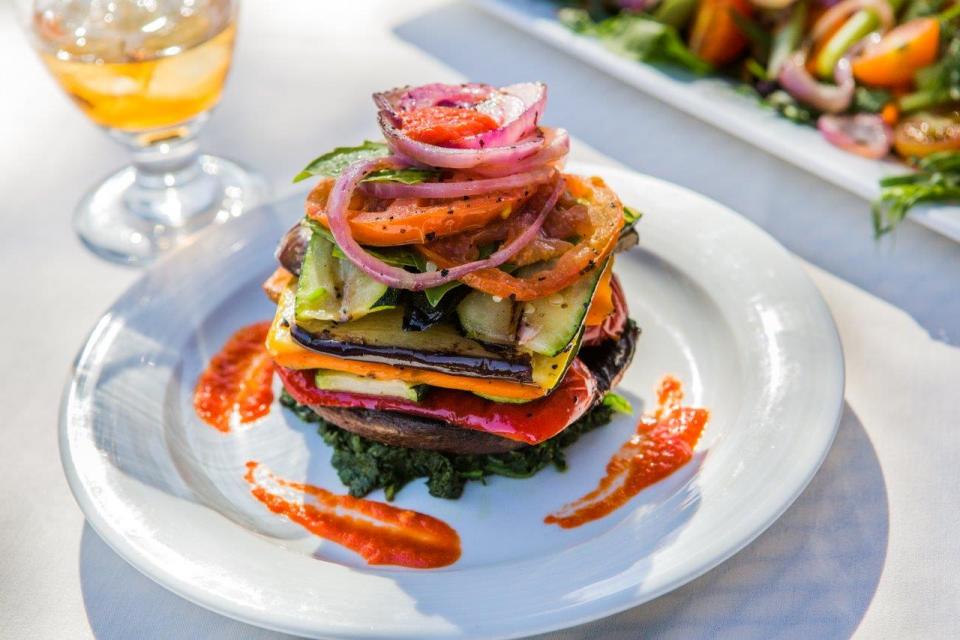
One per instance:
(516, 108)
(449, 158)
(556, 147)
(432, 95)
(391, 190)
(798, 82)
(842, 10)
(865, 134)
(396, 277)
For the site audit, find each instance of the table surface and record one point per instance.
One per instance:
(868, 550)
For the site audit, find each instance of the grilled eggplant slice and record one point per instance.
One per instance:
(379, 337)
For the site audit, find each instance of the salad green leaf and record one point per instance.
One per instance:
(759, 37)
(937, 84)
(870, 100)
(332, 163)
(937, 180)
(636, 36)
(787, 106)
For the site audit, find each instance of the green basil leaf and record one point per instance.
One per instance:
(435, 294)
(618, 403)
(406, 176)
(395, 256)
(333, 163)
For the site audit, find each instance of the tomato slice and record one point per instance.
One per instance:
(530, 422)
(715, 36)
(925, 133)
(900, 53)
(605, 217)
(443, 125)
(411, 221)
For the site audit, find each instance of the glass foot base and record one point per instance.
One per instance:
(107, 226)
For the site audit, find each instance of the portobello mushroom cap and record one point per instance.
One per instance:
(607, 361)
(292, 248)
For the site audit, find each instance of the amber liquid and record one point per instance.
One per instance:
(161, 81)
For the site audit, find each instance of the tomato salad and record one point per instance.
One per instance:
(878, 78)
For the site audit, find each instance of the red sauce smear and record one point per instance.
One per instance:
(237, 382)
(530, 422)
(381, 533)
(663, 443)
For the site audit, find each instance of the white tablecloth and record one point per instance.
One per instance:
(870, 549)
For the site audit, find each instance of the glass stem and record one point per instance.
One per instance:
(170, 187)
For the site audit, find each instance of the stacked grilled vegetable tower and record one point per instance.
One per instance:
(447, 306)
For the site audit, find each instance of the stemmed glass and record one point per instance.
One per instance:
(148, 72)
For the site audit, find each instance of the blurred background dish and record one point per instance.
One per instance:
(148, 72)
(725, 102)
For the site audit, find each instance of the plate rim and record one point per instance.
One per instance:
(616, 603)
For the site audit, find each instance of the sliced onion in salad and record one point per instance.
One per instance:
(397, 277)
(839, 12)
(865, 134)
(457, 189)
(830, 98)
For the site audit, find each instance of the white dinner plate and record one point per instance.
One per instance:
(722, 306)
(717, 102)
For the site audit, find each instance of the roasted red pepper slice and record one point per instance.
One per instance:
(530, 422)
(613, 324)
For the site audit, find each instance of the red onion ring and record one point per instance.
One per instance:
(841, 11)
(556, 147)
(449, 158)
(432, 95)
(440, 190)
(798, 82)
(516, 109)
(396, 277)
(865, 134)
